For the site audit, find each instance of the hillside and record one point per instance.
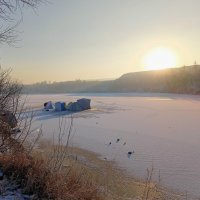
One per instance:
(174, 80)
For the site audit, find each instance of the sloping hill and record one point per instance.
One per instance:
(175, 80)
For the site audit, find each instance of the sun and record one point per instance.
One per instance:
(160, 58)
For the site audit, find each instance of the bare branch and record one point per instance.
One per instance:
(8, 8)
(8, 12)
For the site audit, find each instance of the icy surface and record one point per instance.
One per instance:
(163, 130)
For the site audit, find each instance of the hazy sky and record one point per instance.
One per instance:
(97, 39)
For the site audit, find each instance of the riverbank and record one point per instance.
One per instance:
(108, 177)
(113, 182)
(57, 172)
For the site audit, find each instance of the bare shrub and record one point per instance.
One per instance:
(15, 124)
(61, 144)
(9, 103)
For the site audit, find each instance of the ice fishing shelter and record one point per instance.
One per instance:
(84, 103)
(48, 105)
(79, 105)
(60, 106)
(74, 107)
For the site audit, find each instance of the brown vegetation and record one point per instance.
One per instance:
(34, 177)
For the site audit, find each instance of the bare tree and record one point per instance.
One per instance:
(8, 12)
(10, 90)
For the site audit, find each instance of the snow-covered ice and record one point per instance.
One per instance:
(163, 130)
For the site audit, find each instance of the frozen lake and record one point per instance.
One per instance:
(162, 129)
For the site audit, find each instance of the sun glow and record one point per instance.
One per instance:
(160, 58)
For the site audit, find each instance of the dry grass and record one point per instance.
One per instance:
(112, 182)
(109, 179)
(83, 176)
(34, 177)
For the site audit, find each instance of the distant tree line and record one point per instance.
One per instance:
(175, 80)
